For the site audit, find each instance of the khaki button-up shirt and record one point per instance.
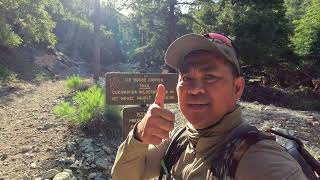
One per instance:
(265, 160)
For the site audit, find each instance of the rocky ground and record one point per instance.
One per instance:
(301, 124)
(34, 144)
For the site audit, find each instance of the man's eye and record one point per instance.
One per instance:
(186, 78)
(210, 77)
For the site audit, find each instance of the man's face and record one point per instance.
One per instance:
(207, 89)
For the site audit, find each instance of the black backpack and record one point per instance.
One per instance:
(226, 161)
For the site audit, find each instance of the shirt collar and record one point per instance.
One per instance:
(225, 125)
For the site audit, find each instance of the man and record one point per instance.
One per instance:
(209, 86)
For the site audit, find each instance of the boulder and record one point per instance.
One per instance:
(62, 176)
(50, 174)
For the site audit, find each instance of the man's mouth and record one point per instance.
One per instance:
(198, 106)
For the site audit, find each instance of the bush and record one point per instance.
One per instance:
(74, 82)
(307, 31)
(42, 76)
(87, 105)
(65, 110)
(90, 103)
(7, 75)
(113, 113)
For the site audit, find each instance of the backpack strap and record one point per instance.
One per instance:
(250, 138)
(230, 152)
(295, 148)
(244, 137)
(176, 147)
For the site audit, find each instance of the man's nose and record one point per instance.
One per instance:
(196, 87)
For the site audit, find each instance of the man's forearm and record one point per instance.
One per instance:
(136, 160)
(130, 159)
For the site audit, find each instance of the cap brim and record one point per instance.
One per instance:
(182, 46)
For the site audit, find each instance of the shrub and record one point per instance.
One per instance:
(86, 106)
(65, 110)
(42, 77)
(113, 113)
(307, 31)
(90, 103)
(74, 82)
(7, 75)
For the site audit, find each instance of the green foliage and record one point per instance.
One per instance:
(75, 31)
(258, 27)
(7, 75)
(7, 36)
(307, 32)
(156, 26)
(90, 103)
(87, 106)
(150, 23)
(206, 17)
(27, 21)
(77, 12)
(65, 110)
(74, 82)
(42, 76)
(295, 9)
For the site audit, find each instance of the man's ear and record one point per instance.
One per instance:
(238, 87)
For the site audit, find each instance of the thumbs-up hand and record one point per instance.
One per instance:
(160, 96)
(157, 122)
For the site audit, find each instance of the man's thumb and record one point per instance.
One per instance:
(161, 93)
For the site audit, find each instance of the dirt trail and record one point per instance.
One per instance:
(30, 135)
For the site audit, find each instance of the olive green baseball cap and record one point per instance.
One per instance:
(212, 42)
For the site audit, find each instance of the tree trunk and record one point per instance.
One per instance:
(96, 53)
(171, 22)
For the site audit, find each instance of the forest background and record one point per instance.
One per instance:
(277, 40)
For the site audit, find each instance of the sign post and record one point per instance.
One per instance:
(131, 115)
(137, 89)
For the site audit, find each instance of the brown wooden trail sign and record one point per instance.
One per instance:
(131, 115)
(137, 89)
